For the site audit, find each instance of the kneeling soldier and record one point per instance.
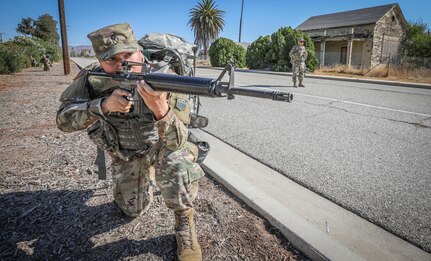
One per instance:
(146, 143)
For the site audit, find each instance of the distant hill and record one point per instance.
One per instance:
(77, 50)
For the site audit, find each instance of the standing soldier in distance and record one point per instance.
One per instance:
(298, 55)
(148, 141)
(34, 62)
(46, 62)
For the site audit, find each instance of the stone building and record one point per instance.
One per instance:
(361, 38)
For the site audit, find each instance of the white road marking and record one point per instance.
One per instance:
(354, 103)
(365, 105)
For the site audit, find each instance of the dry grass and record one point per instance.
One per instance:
(203, 63)
(340, 69)
(405, 73)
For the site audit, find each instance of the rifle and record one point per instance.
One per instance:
(187, 85)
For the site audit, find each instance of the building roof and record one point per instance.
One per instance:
(355, 17)
(245, 45)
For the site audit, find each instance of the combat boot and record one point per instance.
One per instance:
(301, 85)
(188, 248)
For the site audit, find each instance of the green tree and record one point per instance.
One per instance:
(11, 59)
(417, 41)
(257, 51)
(207, 22)
(224, 50)
(26, 27)
(28, 47)
(34, 47)
(45, 28)
(273, 51)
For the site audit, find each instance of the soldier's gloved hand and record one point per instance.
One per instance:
(117, 102)
(157, 102)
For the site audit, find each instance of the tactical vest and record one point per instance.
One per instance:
(126, 134)
(133, 133)
(298, 54)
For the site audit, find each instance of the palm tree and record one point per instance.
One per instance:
(206, 22)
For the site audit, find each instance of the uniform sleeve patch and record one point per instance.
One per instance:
(181, 104)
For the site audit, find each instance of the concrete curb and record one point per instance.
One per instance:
(335, 78)
(319, 228)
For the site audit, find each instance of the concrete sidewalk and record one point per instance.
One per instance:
(319, 228)
(336, 78)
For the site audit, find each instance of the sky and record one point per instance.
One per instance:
(260, 18)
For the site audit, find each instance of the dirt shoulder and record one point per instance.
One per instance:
(418, 76)
(54, 207)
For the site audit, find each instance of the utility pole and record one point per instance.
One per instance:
(1, 37)
(65, 47)
(240, 21)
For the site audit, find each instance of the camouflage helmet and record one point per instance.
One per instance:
(300, 39)
(113, 39)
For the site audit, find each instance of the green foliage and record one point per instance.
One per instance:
(35, 47)
(19, 51)
(417, 41)
(224, 50)
(30, 46)
(256, 53)
(274, 51)
(52, 51)
(45, 28)
(206, 21)
(26, 27)
(10, 59)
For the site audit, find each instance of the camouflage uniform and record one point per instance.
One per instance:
(143, 150)
(298, 56)
(46, 62)
(34, 63)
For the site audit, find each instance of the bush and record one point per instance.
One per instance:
(274, 51)
(36, 47)
(256, 53)
(417, 42)
(224, 50)
(11, 60)
(17, 53)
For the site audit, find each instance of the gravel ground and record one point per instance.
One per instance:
(53, 207)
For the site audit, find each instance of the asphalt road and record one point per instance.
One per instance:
(367, 147)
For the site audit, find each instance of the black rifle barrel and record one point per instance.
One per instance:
(181, 84)
(262, 93)
(196, 85)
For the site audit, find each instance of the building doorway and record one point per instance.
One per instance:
(343, 56)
